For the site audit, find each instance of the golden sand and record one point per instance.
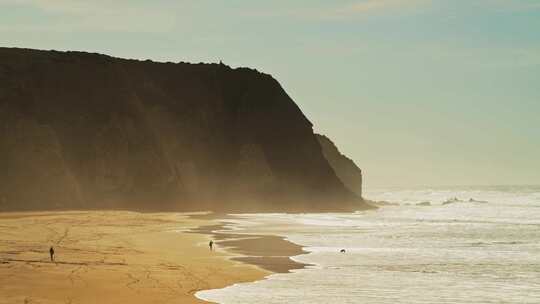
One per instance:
(113, 257)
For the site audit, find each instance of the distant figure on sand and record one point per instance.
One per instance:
(51, 252)
(211, 245)
(342, 251)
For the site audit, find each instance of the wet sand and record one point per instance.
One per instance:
(269, 252)
(125, 257)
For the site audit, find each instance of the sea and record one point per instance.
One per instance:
(424, 245)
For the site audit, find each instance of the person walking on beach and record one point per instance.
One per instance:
(211, 245)
(51, 252)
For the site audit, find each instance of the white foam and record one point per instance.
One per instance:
(458, 253)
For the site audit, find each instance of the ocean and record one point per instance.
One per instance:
(460, 245)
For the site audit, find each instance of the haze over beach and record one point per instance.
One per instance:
(359, 151)
(450, 85)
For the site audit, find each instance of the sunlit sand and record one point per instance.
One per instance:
(111, 257)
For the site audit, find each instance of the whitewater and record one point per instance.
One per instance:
(430, 245)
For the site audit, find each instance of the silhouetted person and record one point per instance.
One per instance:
(211, 245)
(51, 252)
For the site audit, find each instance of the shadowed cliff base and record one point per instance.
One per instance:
(89, 131)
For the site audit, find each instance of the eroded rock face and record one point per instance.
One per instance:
(83, 130)
(344, 167)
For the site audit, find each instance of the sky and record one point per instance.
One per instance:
(416, 92)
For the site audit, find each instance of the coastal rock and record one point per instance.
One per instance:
(344, 167)
(381, 203)
(82, 131)
(451, 201)
(472, 200)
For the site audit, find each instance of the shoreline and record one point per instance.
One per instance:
(119, 257)
(272, 253)
(269, 252)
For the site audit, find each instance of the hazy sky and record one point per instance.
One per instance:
(417, 92)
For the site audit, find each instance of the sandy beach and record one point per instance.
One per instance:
(269, 252)
(127, 257)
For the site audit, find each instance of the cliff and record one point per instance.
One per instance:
(345, 168)
(85, 131)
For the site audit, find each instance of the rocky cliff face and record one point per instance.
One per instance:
(344, 167)
(80, 130)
